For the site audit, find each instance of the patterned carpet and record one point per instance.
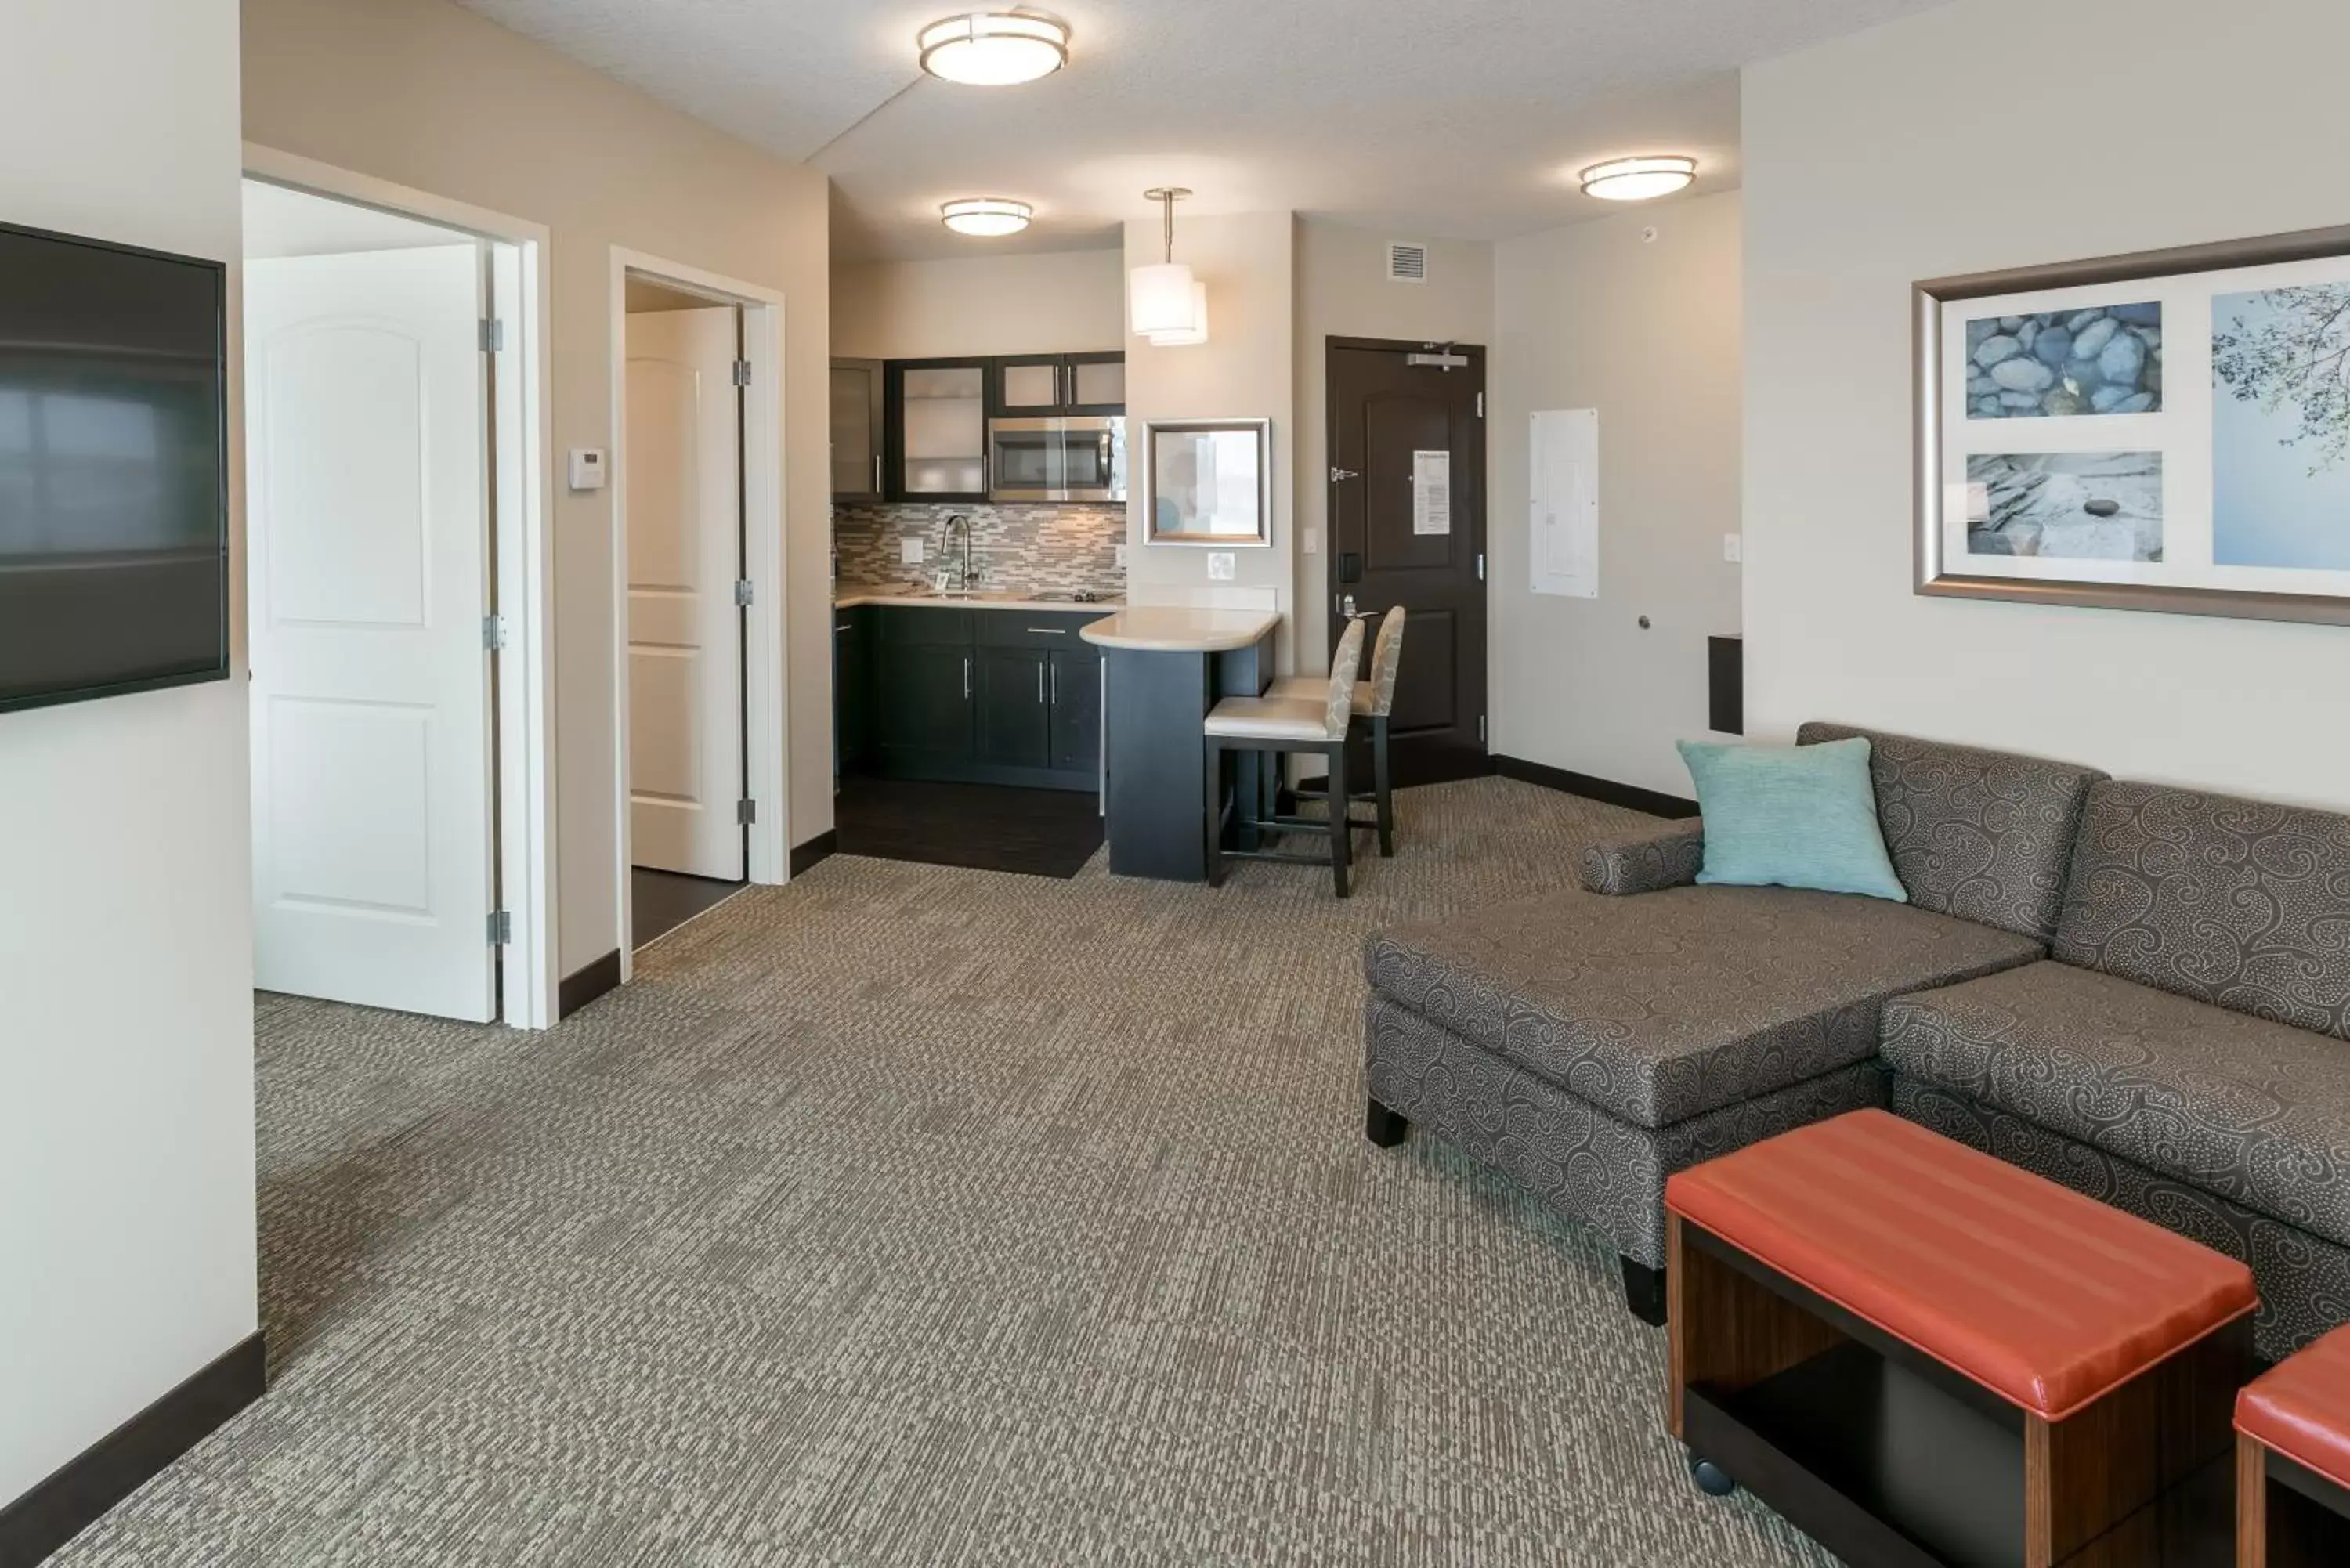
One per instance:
(912, 1215)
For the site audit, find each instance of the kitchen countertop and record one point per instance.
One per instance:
(1168, 628)
(922, 596)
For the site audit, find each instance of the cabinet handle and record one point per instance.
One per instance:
(877, 474)
(1050, 631)
(1040, 683)
(966, 677)
(1057, 684)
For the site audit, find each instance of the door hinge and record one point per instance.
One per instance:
(1481, 729)
(744, 593)
(1339, 474)
(500, 927)
(1481, 405)
(493, 632)
(746, 813)
(742, 372)
(494, 335)
(1480, 566)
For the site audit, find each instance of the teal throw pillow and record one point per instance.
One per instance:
(1791, 816)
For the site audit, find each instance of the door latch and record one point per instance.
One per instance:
(1347, 605)
(1339, 474)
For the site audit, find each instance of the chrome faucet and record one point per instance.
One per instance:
(955, 523)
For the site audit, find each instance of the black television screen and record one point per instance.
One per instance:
(113, 469)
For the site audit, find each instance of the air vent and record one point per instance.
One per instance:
(1407, 262)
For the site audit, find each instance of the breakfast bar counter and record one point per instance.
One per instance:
(1165, 667)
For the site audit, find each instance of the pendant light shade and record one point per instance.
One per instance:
(1165, 300)
(986, 216)
(1198, 332)
(993, 48)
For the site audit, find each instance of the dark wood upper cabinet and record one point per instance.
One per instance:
(937, 437)
(1051, 385)
(857, 427)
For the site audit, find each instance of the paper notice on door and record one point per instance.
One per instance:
(1431, 492)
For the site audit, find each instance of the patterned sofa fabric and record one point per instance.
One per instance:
(1984, 835)
(2304, 1280)
(1669, 856)
(1660, 1008)
(1582, 1162)
(2252, 1111)
(2238, 903)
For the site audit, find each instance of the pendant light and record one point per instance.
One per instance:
(993, 48)
(1166, 300)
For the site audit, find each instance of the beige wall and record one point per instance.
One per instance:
(126, 955)
(421, 93)
(1343, 292)
(1594, 315)
(1246, 370)
(1068, 302)
(1878, 160)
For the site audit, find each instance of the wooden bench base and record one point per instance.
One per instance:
(1891, 1460)
(2287, 1516)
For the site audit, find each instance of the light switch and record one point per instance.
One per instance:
(1733, 547)
(1121, 557)
(1312, 537)
(1223, 565)
(910, 550)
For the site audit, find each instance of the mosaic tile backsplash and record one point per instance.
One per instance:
(1046, 548)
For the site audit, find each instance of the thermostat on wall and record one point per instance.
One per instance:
(587, 468)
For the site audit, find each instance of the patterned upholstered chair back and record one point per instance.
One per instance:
(1387, 653)
(1984, 835)
(1345, 665)
(2243, 904)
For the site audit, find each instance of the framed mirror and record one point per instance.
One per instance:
(1209, 481)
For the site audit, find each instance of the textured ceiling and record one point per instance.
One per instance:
(1464, 120)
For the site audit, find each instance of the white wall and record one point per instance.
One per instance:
(428, 96)
(1996, 133)
(1246, 370)
(1068, 302)
(1593, 316)
(126, 963)
(1343, 292)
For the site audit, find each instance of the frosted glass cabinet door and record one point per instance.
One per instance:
(1032, 388)
(1100, 383)
(944, 441)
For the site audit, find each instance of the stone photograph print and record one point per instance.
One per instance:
(2106, 359)
(2281, 428)
(2065, 505)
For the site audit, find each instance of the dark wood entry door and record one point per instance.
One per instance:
(1389, 420)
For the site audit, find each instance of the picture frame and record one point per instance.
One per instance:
(2145, 431)
(1208, 482)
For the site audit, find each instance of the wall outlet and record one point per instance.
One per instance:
(1223, 565)
(1311, 539)
(910, 550)
(1733, 546)
(1121, 557)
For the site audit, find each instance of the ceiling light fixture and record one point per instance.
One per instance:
(989, 217)
(993, 48)
(1165, 303)
(1637, 179)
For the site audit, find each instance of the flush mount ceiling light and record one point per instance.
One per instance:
(1637, 179)
(993, 48)
(986, 216)
(1165, 303)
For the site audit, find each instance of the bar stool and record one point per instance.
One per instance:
(1281, 725)
(1374, 700)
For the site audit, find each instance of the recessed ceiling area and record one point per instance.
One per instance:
(1468, 121)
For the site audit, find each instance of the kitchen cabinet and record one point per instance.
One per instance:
(979, 696)
(858, 424)
(852, 688)
(1055, 386)
(935, 443)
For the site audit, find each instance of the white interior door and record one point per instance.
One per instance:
(683, 465)
(367, 517)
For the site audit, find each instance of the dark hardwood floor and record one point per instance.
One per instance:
(984, 827)
(664, 900)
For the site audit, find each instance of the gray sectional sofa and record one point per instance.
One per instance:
(2142, 993)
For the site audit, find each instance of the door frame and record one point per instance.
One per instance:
(523, 479)
(766, 718)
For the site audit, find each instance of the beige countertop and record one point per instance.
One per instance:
(920, 595)
(1170, 628)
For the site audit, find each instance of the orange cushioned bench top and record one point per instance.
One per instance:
(2044, 1297)
(2300, 1407)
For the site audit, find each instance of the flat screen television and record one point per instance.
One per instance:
(113, 469)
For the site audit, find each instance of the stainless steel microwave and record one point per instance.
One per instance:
(1056, 459)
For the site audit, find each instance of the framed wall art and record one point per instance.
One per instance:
(2169, 431)
(1208, 481)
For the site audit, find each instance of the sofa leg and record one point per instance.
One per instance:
(1383, 1127)
(1644, 1292)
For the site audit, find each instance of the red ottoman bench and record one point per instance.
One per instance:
(1920, 1354)
(2293, 1460)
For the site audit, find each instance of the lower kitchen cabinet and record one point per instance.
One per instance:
(852, 689)
(979, 696)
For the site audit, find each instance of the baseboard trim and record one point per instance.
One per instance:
(1606, 791)
(816, 850)
(586, 985)
(117, 1464)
